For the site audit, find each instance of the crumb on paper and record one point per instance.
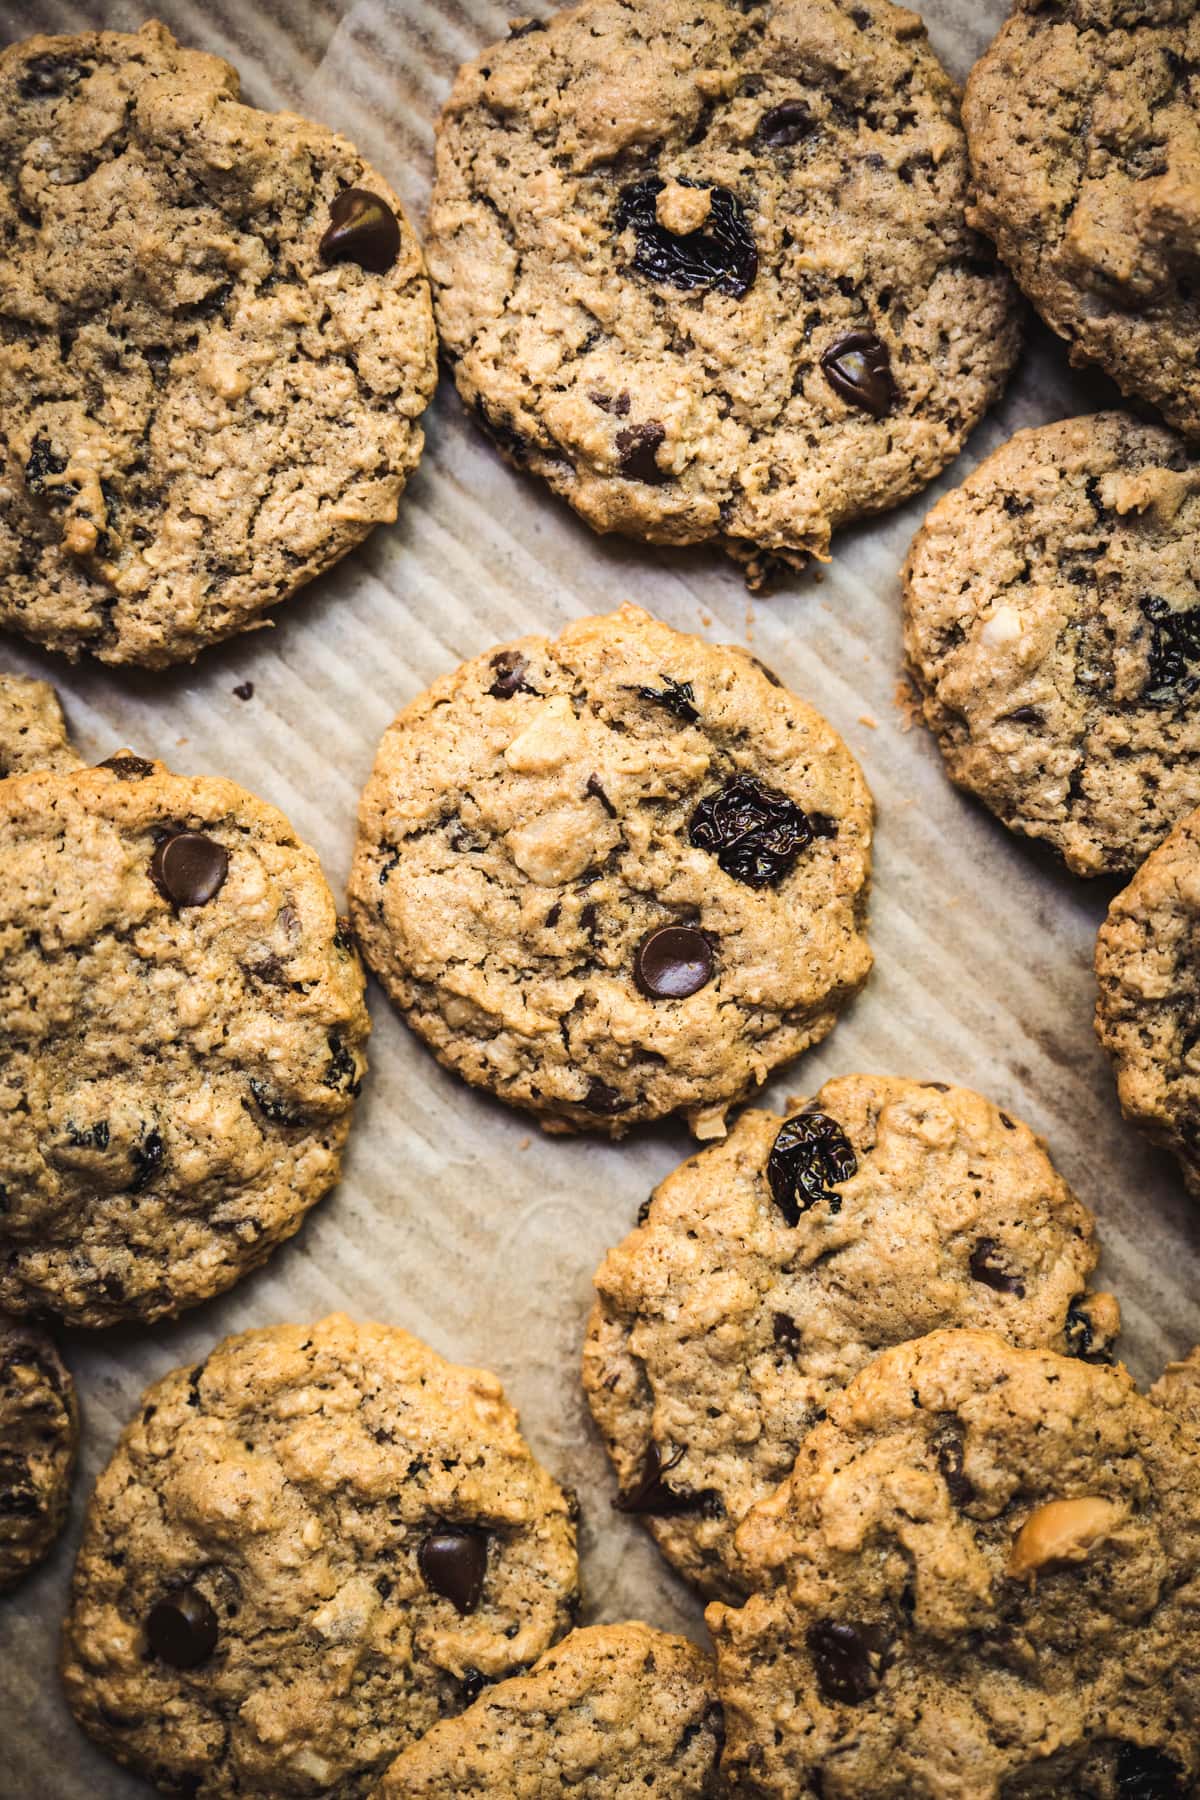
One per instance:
(907, 703)
(524, 1143)
(179, 743)
(749, 621)
(868, 721)
(706, 619)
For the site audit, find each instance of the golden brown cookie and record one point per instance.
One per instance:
(39, 1434)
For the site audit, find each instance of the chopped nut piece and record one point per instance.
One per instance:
(1062, 1531)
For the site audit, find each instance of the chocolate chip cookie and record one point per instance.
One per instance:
(215, 343)
(1052, 628)
(616, 875)
(1084, 126)
(181, 1038)
(705, 269)
(612, 1712)
(39, 1432)
(769, 1269)
(33, 732)
(980, 1580)
(305, 1551)
(1148, 1004)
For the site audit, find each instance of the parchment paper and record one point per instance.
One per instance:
(456, 1218)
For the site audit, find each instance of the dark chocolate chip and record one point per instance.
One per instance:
(617, 404)
(673, 962)
(788, 1334)
(1023, 715)
(785, 124)
(509, 667)
(652, 1496)
(636, 447)
(244, 690)
(129, 768)
(755, 832)
(1147, 1774)
(858, 368)
(363, 229)
(721, 256)
(993, 1274)
(1172, 675)
(48, 77)
(849, 1659)
(147, 1157)
(342, 1070)
(188, 868)
(950, 1449)
(1081, 1334)
(181, 1628)
(810, 1154)
(679, 697)
(472, 1684)
(600, 1098)
(453, 1562)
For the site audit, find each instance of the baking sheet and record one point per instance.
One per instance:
(455, 1217)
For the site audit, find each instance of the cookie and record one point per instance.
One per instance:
(33, 732)
(39, 1434)
(980, 1580)
(771, 1268)
(1083, 121)
(1178, 1387)
(1052, 629)
(182, 1031)
(616, 875)
(216, 340)
(705, 269)
(1148, 993)
(304, 1552)
(612, 1712)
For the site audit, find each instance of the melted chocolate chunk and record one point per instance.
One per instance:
(636, 447)
(849, 1659)
(993, 1274)
(858, 368)
(785, 124)
(363, 229)
(453, 1562)
(754, 831)
(128, 768)
(673, 962)
(679, 697)
(187, 868)
(722, 256)
(950, 1450)
(509, 667)
(1146, 1774)
(810, 1154)
(1174, 650)
(181, 1628)
(652, 1495)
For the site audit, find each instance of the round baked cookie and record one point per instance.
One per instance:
(304, 1552)
(1148, 1001)
(980, 1580)
(182, 1033)
(1178, 1387)
(1052, 629)
(614, 1712)
(39, 1433)
(769, 1269)
(705, 267)
(616, 875)
(1083, 120)
(216, 340)
(33, 732)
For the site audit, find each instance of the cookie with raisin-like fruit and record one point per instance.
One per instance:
(1052, 628)
(980, 1578)
(306, 1550)
(705, 268)
(612, 1712)
(1083, 120)
(181, 1039)
(616, 875)
(216, 342)
(769, 1269)
(39, 1434)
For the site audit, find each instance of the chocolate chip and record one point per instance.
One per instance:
(1080, 1334)
(509, 667)
(244, 690)
(636, 446)
(600, 1098)
(1147, 1774)
(181, 1628)
(849, 1659)
(950, 1450)
(810, 1153)
(128, 768)
(722, 256)
(147, 1156)
(785, 124)
(755, 831)
(618, 404)
(858, 368)
(652, 1496)
(453, 1562)
(188, 868)
(595, 787)
(472, 1685)
(673, 962)
(363, 229)
(787, 1333)
(1022, 715)
(43, 462)
(1172, 673)
(993, 1274)
(679, 697)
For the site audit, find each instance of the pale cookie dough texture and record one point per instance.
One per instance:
(200, 411)
(705, 267)
(1148, 1004)
(981, 1580)
(1052, 629)
(39, 1432)
(615, 875)
(768, 1270)
(1084, 126)
(33, 732)
(305, 1551)
(1178, 1387)
(615, 1712)
(182, 1035)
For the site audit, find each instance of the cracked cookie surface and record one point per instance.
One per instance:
(705, 268)
(1148, 1001)
(615, 875)
(768, 1270)
(305, 1551)
(1052, 626)
(39, 1433)
(181, 1038)
(614, 1712)
(981, 1580)
(1084, 126)
(198, 410)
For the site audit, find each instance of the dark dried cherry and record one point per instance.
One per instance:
(1174, 648)
(987, 1267)
(950, 1451)
(785, 124)
(509, 667)
(721, 256)
(754, 831)
(849, 1659)
(810, 1154)
(652, 1495)
(679, 697)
